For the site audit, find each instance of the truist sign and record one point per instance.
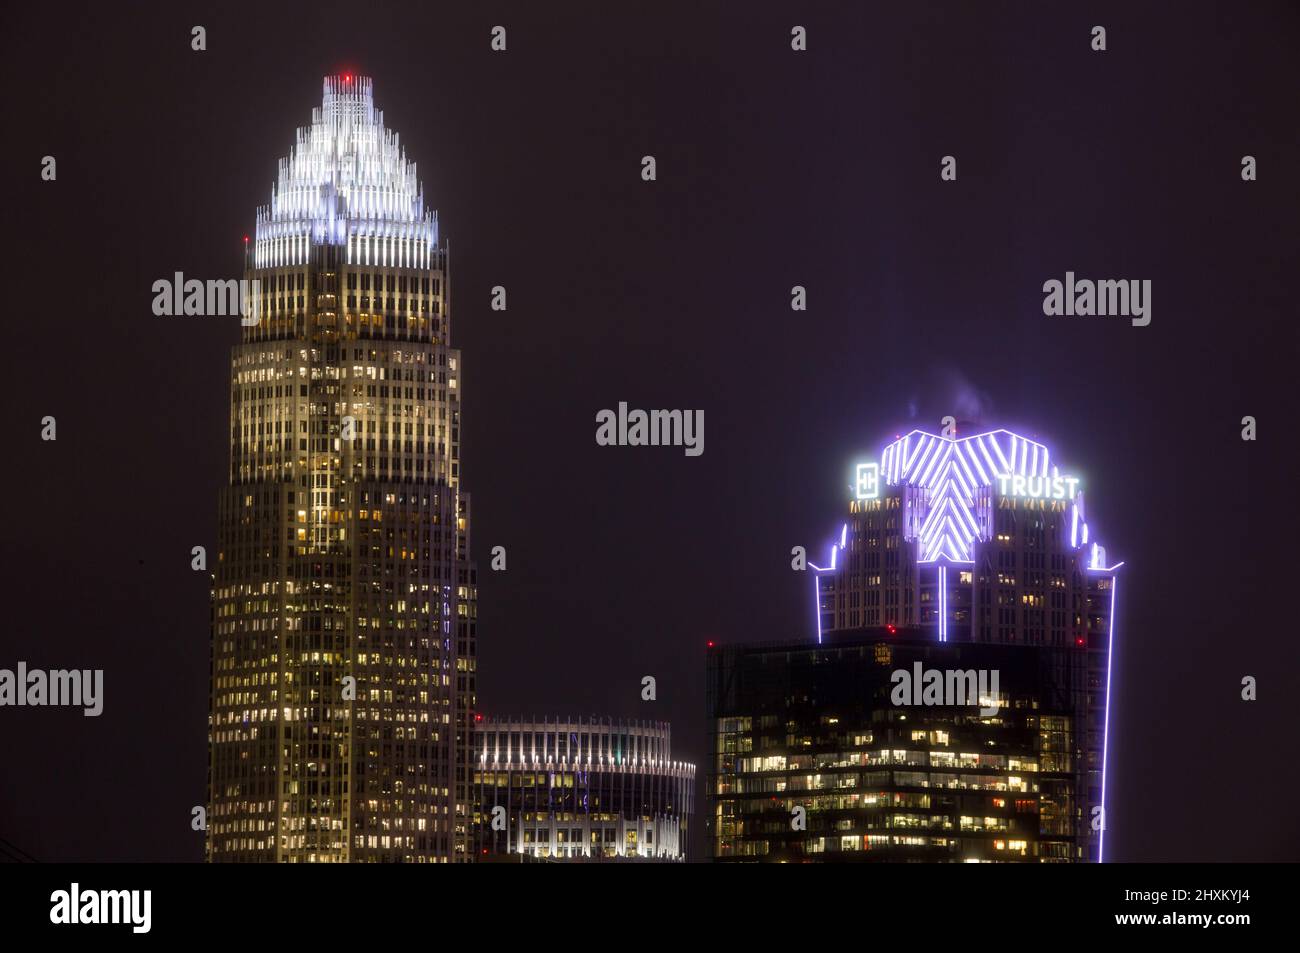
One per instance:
(1038, 487)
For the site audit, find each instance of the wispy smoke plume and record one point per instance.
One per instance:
(944, 391)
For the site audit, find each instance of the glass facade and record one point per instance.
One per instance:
(814, 757)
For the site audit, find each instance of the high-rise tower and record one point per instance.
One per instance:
(982, 538)
(961, 557)
(343, 638)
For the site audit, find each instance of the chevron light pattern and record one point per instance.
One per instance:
(950, 472)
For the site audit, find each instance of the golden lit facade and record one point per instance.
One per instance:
(574, 790)
(343, 638)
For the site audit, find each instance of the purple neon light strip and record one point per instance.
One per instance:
(954, 548)
(948, 539)
(993, 467)
(1105, 736)
(943, 609)
(922, 456)
(1105, 568)
(967, 489)
(955, 560)
(960, 549)
(944, 448)
(1006, 464)
(817, 605)
(975, 460)
(968, 520)
(913, 455)
(970, 482)
(933, 521)
(936, 448)
(935, 466)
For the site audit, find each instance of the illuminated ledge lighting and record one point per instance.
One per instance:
(1105, 568)
(956, 475)
(346, 182)
(1105, 733)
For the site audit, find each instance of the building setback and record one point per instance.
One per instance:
(344, 602)
(955, 549)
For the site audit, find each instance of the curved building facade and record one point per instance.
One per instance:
(575, 789)
(344, 596)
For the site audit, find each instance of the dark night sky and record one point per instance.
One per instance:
(775, 169)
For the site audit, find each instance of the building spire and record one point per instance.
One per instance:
(346, 181)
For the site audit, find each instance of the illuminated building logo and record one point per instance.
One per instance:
(1038, 487)
(952, 483)
(868, 481)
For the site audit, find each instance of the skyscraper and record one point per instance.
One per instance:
(960, 555)
(982, 538)
(343, 636)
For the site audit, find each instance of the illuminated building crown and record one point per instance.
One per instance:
(957, 479)
(346, 182)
